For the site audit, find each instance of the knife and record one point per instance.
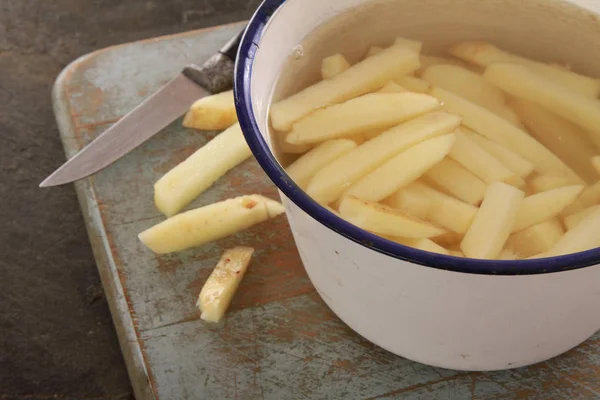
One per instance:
(152, 115)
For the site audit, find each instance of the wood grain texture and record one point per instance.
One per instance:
(278, 341)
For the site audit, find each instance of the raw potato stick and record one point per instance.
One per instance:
(502, 132)
(481, 163)
(571, 221)
(373, 50)
(589, 197)
(362, 114)
(569, 142)
(212, 113)
(584, 236)
(330, 182)
(509, 159)
(216, 294)
(380, 219)
(538, 238)
(456, 180)
(401, 170)
(414, 45)
(484, 54)
(304, 168)
(526, 84)
(544, 183)
(428, 60)
(392, 87)
(364, 77)
(493, 222)
(209, 223)
(334, 65)
(413, 84)
(410, 200)
(181, 185)
(542, 206)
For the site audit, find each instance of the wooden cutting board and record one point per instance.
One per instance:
(279, 341)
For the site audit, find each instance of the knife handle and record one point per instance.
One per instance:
(216, 74)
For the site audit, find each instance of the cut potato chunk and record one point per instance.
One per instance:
(538, 238)
(544, 183)
(526, 84)
(508, 254)
(380, 219)
(304, 168)
(181, 185)
(401, 170)
(212, 113)
(560, 136)
(448, 239)
(206, 224)
(217, 293)
(509, 159)
(334, 65)
(412, 201)
(414, 45)
(330, 182)
(430, 245)
(364, 77)
(475, 159)
(484, 54)
(596, 163)
(571, 221)
(365, 113)
(493, 222)
(413, 84)
(428, 60)
(589, 197)
(392, 87)
(456, 180)
(502, 132)
(374, 50)
(584, 236)
(542, 206)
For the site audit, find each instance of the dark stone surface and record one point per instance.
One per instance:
(56, 335)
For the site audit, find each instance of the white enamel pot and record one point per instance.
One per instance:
(439, 310)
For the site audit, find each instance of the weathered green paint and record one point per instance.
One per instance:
(279, 341)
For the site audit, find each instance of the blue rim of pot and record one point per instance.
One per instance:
(266, 159)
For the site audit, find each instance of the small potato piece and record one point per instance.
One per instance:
(431, 246)
(596, 163)
(544, 183)
(380, 219)
(218, 290)
(478, 161)
(589, 197)
(584, 236)
(374, 50)
(330, 182)
(456, 180)
(493, 222)
(571, 221)
(413, 84)
(569, 142)
(363, 77)
(412, 201)
(365, 113)
(181, 185)
(401, 170)
(427, 61)
(542, 206)
(304, 168)
(526, 84)
(538, 238)
(502, 132)
(508, 254)
(392, 87)
(448, 239)
(485, 54)
(509, 159)
(206, 224)
(212, 113)
(333, 66)
(414, 45)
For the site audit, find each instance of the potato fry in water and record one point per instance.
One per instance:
(361, 78)
(538, 238)
(212, 113)
(493, 222)
(485, 54)
(590, 196)
(331, 181)
(526, 84)
(569, 142)
(392, 87)
(584, 236)
(456, 180)
(218, 290)
(502, 132)
(544, 183)
(304, 168)
(413, 84)
(333, 65)
(374, 50)
(571, 221)
(378, 218)
(401, 170)
(414, 45)
(428, 60)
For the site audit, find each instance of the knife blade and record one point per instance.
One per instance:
(156, 112)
